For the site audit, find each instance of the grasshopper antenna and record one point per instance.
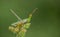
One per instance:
(34, 11)
(15, 15)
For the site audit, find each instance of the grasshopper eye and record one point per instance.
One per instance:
(16, 30)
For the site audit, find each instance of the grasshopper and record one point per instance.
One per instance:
(20, 27)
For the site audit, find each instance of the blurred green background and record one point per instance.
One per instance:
(45, 22)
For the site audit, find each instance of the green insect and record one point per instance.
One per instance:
(20, 27)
